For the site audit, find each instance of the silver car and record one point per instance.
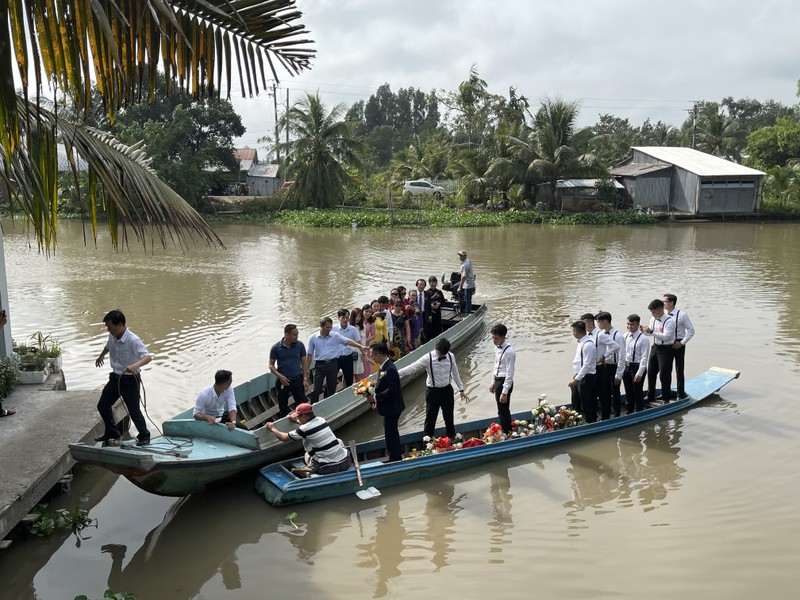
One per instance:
(420, 186)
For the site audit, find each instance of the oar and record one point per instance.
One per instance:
(364, 494)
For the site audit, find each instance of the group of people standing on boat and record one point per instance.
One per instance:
(605, 359)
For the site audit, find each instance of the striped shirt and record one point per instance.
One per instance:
(319, 441)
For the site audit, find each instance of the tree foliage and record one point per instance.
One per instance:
(320, 150)
(71, 43)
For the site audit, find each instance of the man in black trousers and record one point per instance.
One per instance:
(662, 328)
(388, 399)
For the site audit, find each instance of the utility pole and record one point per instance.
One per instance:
(275, 103)
(287, 118)
(693, 112)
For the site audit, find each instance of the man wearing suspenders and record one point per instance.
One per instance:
(614, 368)
(637, 347)
(584, 368)
(662, 328)
(441, 367)
(684, 331)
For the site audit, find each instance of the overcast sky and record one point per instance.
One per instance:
(630, 59)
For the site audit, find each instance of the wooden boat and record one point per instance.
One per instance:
(192, 456)
(279, 486)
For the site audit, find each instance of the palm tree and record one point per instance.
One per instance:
(322, 148)
(66, 43)
(719, 135)
(783, 182)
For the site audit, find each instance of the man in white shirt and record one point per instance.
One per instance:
(605, 351)
(503, 383)
(614, 367)
(128, 355)
(662, 328)
(441, 368)
(217, 401)
(466, 286)
(348, 357)
(684, 331)
(584, 369)
(637, 349)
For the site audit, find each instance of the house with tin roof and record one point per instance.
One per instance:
(687, 181)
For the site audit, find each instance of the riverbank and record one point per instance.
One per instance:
(437, 217)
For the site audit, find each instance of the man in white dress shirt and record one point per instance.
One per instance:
(217, 401)
(128, 355)
(584, 369)
(442, 369)
(637, 349)
(684, 331)
(605, 350)
(503, 383)
(662, 328)
(614, 366)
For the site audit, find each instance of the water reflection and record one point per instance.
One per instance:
(639, 469)
(502, 524)
(196, 540)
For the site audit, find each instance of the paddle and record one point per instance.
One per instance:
(364, 494)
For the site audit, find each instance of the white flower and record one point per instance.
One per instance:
(426, 439)
(514, 434)
(523, 423)
(542, 397)
(458, 445)
(459, 436)
(429, 446)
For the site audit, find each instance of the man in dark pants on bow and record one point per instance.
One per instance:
(128, 355)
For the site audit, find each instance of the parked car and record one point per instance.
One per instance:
(420, 186)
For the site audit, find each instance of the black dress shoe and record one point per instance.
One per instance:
(105, 438)
(143, 441)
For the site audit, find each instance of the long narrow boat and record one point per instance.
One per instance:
(192, 456)
(279, 485)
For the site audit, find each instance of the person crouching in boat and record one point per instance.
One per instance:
(324, 452)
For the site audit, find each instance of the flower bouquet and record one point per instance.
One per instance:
(365, 387)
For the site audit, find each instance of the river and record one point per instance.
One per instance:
(699, 505)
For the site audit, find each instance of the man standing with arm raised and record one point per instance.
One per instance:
(128, 355)
(662, 328)
(441, 368)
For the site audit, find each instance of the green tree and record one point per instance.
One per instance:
(783, 183)
(70, 43)
(320, 149)
(774, 146)
(189, 140)
(553, 129)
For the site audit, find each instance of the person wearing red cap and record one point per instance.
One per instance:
(324, 452)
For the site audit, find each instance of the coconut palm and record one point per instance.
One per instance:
(718, 134)
(67, 43)
(321, 148)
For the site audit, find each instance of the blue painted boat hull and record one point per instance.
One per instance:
(279, 486)
(193, 456)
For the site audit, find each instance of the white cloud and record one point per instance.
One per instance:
(630, 59)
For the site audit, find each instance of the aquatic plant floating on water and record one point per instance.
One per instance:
(292, 517)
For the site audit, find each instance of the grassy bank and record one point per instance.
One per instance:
(439, 217)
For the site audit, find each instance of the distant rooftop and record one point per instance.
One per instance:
(700, 163)
(633, 169)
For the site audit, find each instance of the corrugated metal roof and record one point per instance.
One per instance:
(635, 169)
(583, 183)
(263, 171)
(700, 163)
(63, 161)
(247, 157)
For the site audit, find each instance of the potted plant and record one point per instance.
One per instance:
(9, 374)
(49, 348)
(33, 369)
